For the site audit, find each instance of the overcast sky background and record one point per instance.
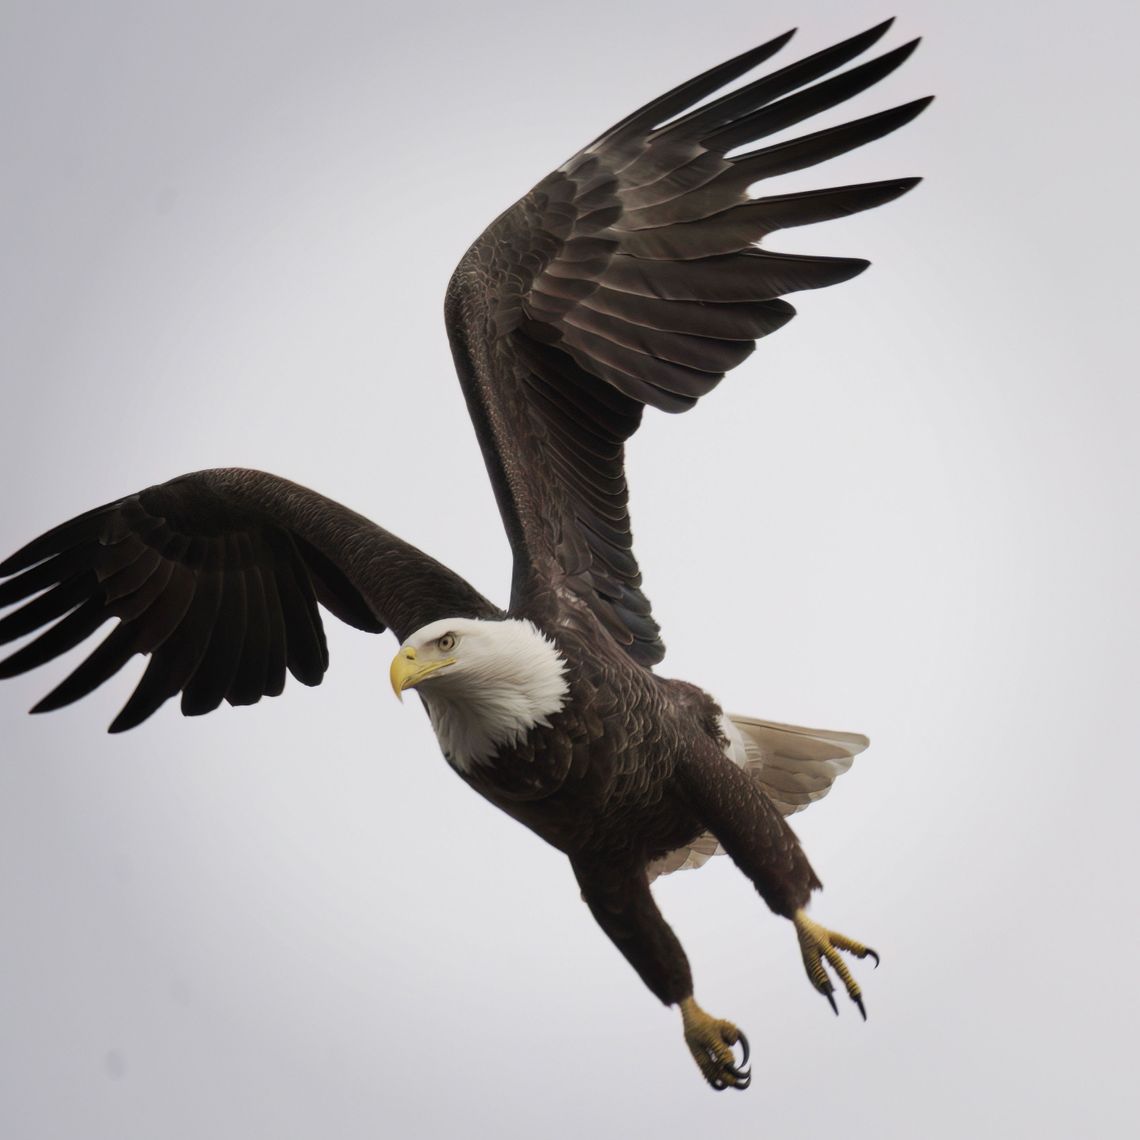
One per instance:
(226, 232)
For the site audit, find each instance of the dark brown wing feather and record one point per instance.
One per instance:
(630, 276)
(217, 577)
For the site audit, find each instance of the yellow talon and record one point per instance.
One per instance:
(818, 943)
(710, 1041)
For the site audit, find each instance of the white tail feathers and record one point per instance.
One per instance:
(794, 766)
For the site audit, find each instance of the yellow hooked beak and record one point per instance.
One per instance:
(407, 671)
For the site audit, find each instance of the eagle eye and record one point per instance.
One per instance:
(447, 642)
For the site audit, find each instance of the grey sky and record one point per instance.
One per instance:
(226, 233)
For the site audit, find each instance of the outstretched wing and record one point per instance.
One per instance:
(630, 277)
(216, 576)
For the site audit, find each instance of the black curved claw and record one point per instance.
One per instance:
(871, 954)
(743, 1079)
(858, 1000)
(742, 1075)
(831, 1001)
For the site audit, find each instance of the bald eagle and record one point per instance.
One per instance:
(631, 276)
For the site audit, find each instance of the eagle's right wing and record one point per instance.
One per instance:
(216, 576)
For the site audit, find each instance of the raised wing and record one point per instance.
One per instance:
(629, 277)
(216, 576)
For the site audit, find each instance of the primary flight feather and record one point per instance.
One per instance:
(630, 276)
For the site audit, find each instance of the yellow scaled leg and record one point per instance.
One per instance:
(710, 1041)
(818, 943)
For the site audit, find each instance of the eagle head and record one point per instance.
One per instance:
(485, 683)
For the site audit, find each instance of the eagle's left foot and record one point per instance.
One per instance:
(710, 1041)
(817, 943)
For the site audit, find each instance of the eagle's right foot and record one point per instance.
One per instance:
(710, 1041)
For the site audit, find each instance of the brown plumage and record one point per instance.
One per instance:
(630, 276)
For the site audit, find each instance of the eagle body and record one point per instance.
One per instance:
(633, 276)
(625, 768)
(612, 799)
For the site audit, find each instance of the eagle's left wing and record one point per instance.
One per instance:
(630, 276)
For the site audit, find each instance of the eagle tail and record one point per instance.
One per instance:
(794, 766)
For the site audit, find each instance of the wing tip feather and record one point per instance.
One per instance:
(47, 704)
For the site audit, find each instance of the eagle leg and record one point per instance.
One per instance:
(765, 848)
(710, 1041)
(619, 898)
(816, 944)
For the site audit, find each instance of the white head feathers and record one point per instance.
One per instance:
(506, 678)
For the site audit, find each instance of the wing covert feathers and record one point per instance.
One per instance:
(631, 276)
(216, 577)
